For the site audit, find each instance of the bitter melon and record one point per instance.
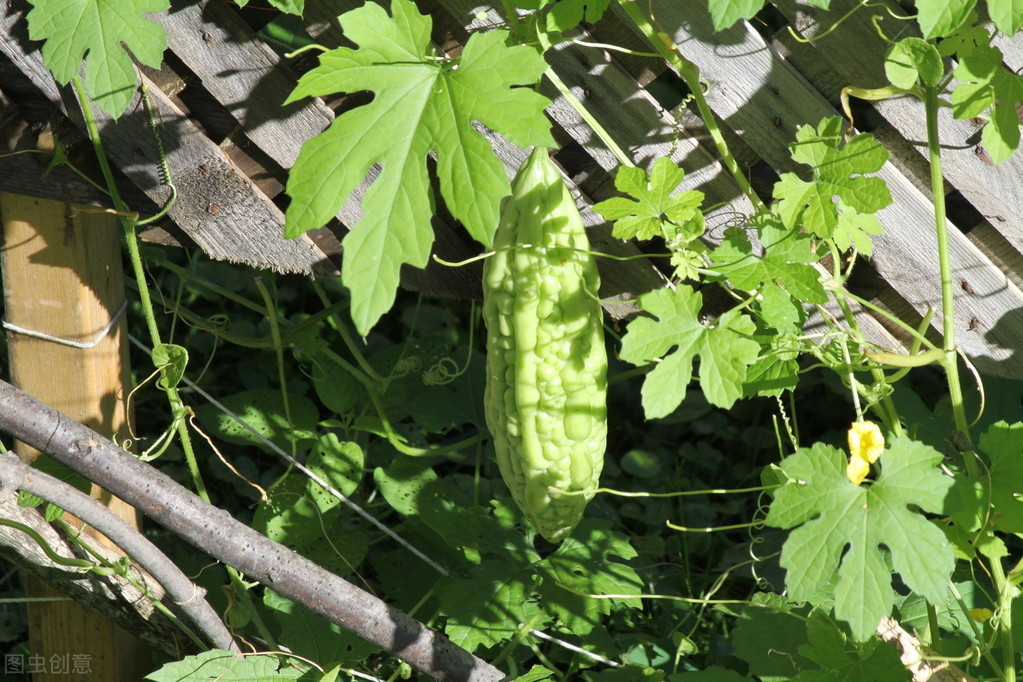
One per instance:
(546, 363)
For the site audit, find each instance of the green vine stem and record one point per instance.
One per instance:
(278, 346)
(594, 125)
(951, 363)
(342, 330)
(177, 405)
(690, 73)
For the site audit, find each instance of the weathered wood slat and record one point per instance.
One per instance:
(647, 132)
(851, 57)
(752, 89)
(246, 77)
(759, 97)
(217, 205)
(620, 280)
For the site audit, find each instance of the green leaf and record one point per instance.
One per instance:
(834, 515)
(447, 396)
(174, 359)
(567, 14)
(294, 514)
(714, 673)
(99, 31)
(770, 619)
(442, 508)
(1004, 445)
(1007, 15)
(339, 463)
(311, 635)
(726, 12)
(855, 229)
(688, 262)
(289, 6)
(780, 310)
(843, 660)
(836, 170)
(262, 409)
(787, 261)
(225, 666)
(626, 673)
(939, 18)
(987, 84)
(912, 59)
(965, 40)
(582, 564)
(536, 674)
(489, 606)
(771, 375)
(724, 348)
(421, 104)
(335, 386)
(402, 483)
(654, 210)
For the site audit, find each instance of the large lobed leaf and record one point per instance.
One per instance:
(783, 274)
(99, 31)
(582, 566)
(842, 527)
(421, 104)
(656, 210)
(726, 349)
(837, 172)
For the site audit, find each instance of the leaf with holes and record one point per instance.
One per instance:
(582, 566)
(489, 606)
(101, 32)
(266, 413)
(842, 527)
(422, 103)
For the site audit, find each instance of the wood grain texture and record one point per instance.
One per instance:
(247, 78)
(244, 75)
(218, 206)
(112, 597)
(851, 57)
(646, 131)
(62, 277)
(752, 88)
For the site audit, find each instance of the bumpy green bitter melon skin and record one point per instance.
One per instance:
(546, 363)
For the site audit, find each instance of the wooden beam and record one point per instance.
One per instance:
(62, 278)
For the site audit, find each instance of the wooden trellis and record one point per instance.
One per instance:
(229, 144)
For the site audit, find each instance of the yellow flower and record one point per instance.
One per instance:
(865, 441)
(865, 445)
(857, 470)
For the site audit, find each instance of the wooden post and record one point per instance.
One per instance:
(62, 277)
